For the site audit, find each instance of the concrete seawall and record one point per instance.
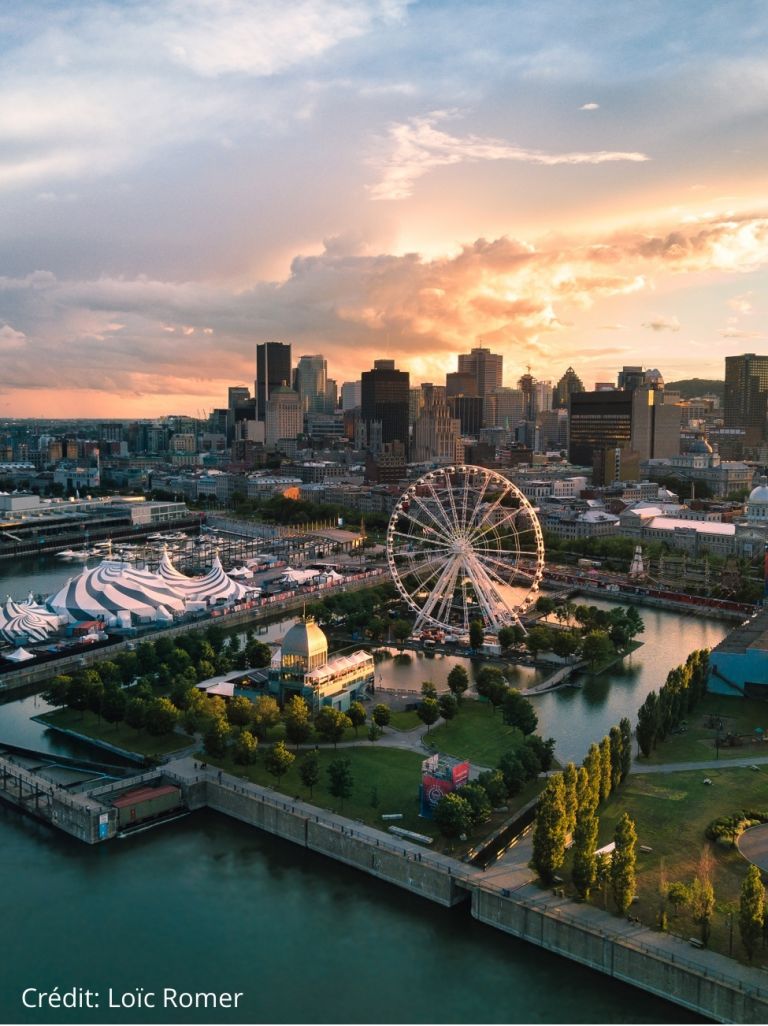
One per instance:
(719, 991)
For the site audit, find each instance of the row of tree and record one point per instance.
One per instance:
(567, 811)
(662, 713)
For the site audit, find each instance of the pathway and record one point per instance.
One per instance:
(678, 767)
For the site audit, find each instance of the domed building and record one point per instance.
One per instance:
(301, 667)
(757, 504)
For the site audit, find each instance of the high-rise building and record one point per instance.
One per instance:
(436, 433)
(746, 396)
(486, 368)
(384, 402)
(311, 383)
(284, 419)
(504, 408)
(460, 383)
(350, 395)
(468, 410)
(331, 396)
(273, 368)
(637, 421)
(570, 382)
(543, 396)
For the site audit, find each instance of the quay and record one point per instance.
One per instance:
(27, 678)
(503, 896)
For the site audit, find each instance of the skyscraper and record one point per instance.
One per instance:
(746, 396)
(384, 404)
(570, 382)
(311, 383)
(273, 368)
(486, 368)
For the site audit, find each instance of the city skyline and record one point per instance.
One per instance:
(182, 182)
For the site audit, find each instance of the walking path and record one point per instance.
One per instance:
(710, 764)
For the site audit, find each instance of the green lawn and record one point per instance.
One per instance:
(671, 812)
(386, 780)
(477, 734)
(119, 735)
(402, 720)
(697, 744)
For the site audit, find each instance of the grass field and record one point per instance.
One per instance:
(386, 780)
(402, 720)
(671, 812)
(477, 734)
(697, 744)
(120, 735)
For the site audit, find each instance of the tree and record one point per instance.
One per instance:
(215, 738)
(161, 716)
(478, 798)
(565, 643)
(458, 682)
(518, 711)
(266, 714)
(449, 707)
(78, 694)
(545, 605)
(428, 689)
(298, 723)
(584, 844)
(605, 769)
(331, 723)
(549, 831)
(56, 692)
(357, 715)
(678, 896)
(616, 744)
(538, 639)
(278, 759)
(113, 705)
(257, 654)
(491, 685)
(513, 771)
(625, 727)
(570, 783)
(476, 634)
(623, 863)
(109, 673)
(309, 770)
(648, 723)
(135, 713)
(495, 786)
(401, 631)
(246, 748)
(593, 764)
(751, 910)
(374, 732)
(702, 903)
(239, 711)
(381, 715)
(453, 815)
(340, 780)
(509, 636)
(428, 712)
(596, 647)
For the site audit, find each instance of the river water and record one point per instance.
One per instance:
(209, 904)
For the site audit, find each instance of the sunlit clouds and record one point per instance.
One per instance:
(182, 179)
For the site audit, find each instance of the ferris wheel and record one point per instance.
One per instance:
(465, 544)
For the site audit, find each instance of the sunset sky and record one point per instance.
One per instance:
(567, 183)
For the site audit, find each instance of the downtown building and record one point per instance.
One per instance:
(273, 369)
(384, 405)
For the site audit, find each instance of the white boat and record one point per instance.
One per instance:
(66, 554)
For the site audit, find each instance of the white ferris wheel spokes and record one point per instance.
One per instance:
(464, 544)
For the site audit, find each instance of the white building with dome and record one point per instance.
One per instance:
(301, 667)
(757, 503)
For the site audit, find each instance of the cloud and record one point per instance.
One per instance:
(140, 336)
(589, 106)
(11, 339)
(742, 304)
(739, 334)
(663, 324)
(413, 148)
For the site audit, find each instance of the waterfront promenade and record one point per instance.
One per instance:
(505, 896)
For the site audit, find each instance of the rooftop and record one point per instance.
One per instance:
(753, 634)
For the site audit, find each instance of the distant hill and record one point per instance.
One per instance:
(690, 387)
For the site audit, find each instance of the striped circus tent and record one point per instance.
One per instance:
(19, 622)
(214, 586)
(114, 587)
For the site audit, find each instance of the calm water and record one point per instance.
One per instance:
(210, 904)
